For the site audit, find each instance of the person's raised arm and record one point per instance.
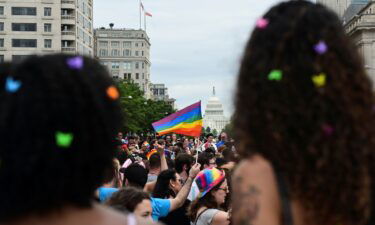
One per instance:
(184, 192)
(163, 160)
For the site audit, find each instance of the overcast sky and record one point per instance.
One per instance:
(195, 44)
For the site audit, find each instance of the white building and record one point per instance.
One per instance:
(359, 23)
(45, 26)
(338, 6)
(214, 114)
(126, 54)
(160, 93)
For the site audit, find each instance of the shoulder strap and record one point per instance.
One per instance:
(196, 219)
(287, 218)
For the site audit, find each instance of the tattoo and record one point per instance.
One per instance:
(245, 203)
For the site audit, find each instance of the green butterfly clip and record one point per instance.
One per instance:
(64, 140)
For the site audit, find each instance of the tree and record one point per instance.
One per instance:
(214, 132)
(229, 129)
(208, 130)
(138, 112)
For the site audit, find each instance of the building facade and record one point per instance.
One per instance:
(361, 28)
(160, 93)
(214, 114)
(359, 23)
(338, 6)
(45, 26)
(126, 54)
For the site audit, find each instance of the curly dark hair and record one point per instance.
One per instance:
(37, 174)
(162, 189)
(320, 138)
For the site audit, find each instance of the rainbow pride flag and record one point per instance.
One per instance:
(187, 121)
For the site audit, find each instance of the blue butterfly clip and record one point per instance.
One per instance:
(12, 85)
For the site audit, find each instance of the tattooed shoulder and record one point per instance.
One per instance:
(246, 202)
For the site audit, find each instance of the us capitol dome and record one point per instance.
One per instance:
(214, 114)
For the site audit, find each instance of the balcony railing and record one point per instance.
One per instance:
(68, 49)
(68, 17)
(67, 1)
(67, 32)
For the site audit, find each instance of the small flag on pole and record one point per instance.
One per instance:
(148, 14)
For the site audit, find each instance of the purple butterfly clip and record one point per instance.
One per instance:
(75, 63)
(321, 48)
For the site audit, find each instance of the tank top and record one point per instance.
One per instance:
(286, 210)
(205, 218)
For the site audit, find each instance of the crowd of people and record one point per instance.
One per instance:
(303, 154)
(174, 179)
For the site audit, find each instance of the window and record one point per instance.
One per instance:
(115, 65)
(115, 44)
(126, 44)
(137, 65)
(23, 26)
(47, 43)
(127, 65)
(47, 27)
(103, 52)
(103, 43)
(17, 58)
(2, 43)
(1, 58)
(137, 76)
(136, 53)
(142, 44)
(24, 11)
(129, 76)
(24, 43)
(136, 44)
(142, 53)
(1, 26)
(1, 10)
(143, 75)
(47, 11)
(143, 65)
(127, 52)
(115, 52)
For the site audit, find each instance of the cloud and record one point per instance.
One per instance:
(195, 44)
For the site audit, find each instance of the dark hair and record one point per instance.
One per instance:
(127, 198)
(155, 161)
(162, 189)
(208, 201)
(229, 155)
(181, 160)
(310, 134)
(210, 150)
(136, 175)
(204, 159)
(54, 101)
(209, 135)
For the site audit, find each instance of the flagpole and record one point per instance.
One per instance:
(145, 20)
(140, 15)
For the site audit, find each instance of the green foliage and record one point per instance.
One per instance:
(208, 130)
(139, 113)
(214, 132)
(229, 129)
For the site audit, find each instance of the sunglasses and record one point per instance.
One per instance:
(224, 189)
